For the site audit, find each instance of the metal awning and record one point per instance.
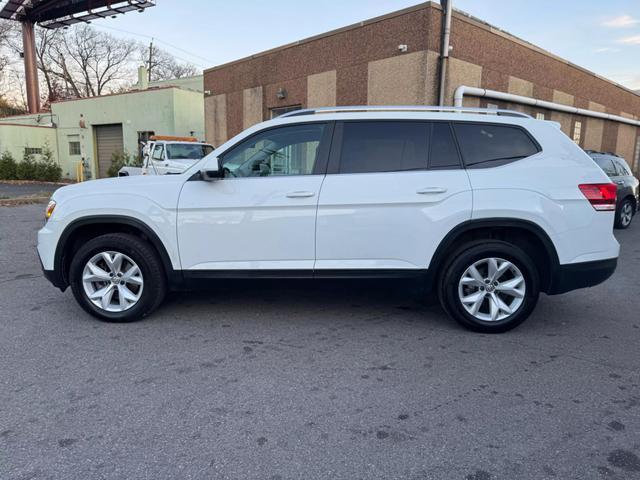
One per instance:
(62, 13)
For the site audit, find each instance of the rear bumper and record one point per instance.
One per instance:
(573, 276)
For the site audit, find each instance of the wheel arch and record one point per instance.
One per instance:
(86, 228)
(539, 245)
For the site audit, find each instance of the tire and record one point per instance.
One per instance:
(148, 286)
(624, 215)
(458, 281)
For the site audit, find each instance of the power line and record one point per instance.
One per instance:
(209, 62)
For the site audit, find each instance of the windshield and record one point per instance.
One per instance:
(187, 151)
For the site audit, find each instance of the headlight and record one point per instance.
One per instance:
(50, 208)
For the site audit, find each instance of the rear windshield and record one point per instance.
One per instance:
(180, 151)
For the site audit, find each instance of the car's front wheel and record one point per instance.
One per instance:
(624, 215)
(117, 277)
(489, 286)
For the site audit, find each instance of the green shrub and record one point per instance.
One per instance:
(118, 160)
(47, 168)
(27, 168)
(7, 166)
(44, 169)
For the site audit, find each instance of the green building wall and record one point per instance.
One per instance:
(162, 110)
(14, 138)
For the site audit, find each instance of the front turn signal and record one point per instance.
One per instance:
(50, 208)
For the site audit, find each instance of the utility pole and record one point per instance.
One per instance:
(444, 48)
(150, 59)
(30, 66)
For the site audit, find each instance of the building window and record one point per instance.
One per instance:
(492, 105)
(577, 131)
(74, 144)
(74, 148)
(32, 151)
(277, 111)
(636, 158)
(539, 116)
(144, 137)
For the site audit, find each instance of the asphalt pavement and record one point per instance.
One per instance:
(299, 380)
(15, 190)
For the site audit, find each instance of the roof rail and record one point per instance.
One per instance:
(405, 108)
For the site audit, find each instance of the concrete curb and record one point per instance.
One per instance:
(14, 202)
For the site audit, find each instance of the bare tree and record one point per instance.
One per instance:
(6, 31)
(89, 62)
(84, 62)
(161, 65)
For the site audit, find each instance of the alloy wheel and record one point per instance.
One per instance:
(112, 281)
(492, 289)
(626, 214)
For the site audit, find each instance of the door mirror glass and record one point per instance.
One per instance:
(211, 170)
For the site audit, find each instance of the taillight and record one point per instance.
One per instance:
(601, 196)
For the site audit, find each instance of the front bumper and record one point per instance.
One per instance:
(53, 276)
(573, 276)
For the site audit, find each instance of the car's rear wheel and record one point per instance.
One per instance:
(489, 286)
(624, 215)
(117, 278)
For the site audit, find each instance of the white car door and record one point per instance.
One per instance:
(393, 190)
(261, 215)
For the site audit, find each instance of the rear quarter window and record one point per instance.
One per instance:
(489, 145)
(606, 165)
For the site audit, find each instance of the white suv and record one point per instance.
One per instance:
(489, 207)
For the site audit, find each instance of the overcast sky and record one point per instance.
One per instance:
(602, 36)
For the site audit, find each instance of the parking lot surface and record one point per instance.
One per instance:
(313, 381)
(15, 190)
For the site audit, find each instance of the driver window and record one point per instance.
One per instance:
(157, 153)
(280, 151)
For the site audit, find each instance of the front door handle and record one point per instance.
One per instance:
(428, 190)
(300, 194)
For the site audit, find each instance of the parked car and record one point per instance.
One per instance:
(628, 190)
(457, 199)
(168, 155)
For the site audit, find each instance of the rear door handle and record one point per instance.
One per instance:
(428, 190)
(620, 182)
(300, 194)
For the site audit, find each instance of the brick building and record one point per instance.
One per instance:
(394, 60)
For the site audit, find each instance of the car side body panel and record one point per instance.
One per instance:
(151, 201)
(544, 189)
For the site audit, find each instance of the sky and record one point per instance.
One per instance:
(602, 36)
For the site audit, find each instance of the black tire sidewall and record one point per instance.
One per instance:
(470, 254)
(140, 253)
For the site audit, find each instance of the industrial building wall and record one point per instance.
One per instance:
(363, 64)
(164, 111)
(15, 138)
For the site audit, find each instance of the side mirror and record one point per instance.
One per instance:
(211, 170)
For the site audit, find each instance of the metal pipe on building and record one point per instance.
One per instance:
(30, 66)
(463, 90)
(444, 48)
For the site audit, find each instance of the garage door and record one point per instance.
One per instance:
(108, 141)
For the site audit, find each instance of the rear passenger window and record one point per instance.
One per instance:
(483, 143)
(444, 153)
(383, 146)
